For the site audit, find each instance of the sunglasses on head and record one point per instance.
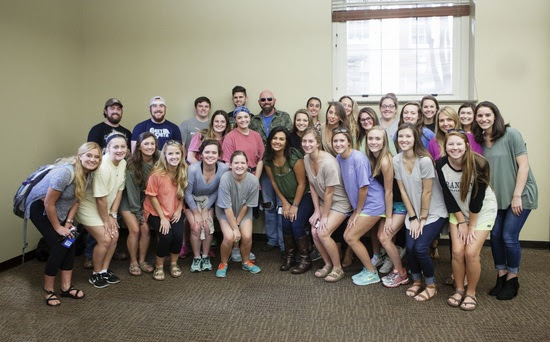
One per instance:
(264, 99)
(339, 130)
(461, 131)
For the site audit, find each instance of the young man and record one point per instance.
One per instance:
(112, 113)
(163, 129)
(200, 121)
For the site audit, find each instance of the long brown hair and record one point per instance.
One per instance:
(209, 133)
(418, 148)
(135, 162)
(361, 133)
(475, 168)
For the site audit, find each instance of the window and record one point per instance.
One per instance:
(411, 48)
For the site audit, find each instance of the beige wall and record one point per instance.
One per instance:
(41, 96)
(61, 60)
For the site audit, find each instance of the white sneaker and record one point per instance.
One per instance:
(387, 265)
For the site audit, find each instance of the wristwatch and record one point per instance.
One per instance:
(113, 215)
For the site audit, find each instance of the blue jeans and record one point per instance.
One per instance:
(273, 222)
(297, 228)
(418, 251)
(505, 239)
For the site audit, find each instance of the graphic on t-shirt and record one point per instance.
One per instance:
(160, 132)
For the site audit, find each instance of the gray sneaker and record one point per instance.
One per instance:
(387, 265)
(376, 260)
(236, 255)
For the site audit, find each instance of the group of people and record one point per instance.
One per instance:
(324, 185)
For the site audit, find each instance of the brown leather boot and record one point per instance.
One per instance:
(290, 250)
(305, 261)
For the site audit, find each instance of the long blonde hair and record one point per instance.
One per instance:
(376, 163)
(439, 133)
(180, 176)
(79, 175)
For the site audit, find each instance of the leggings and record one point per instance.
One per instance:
(171, 242)
(60, 258)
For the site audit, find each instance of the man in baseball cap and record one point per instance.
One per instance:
(112, 114)
(163, 129)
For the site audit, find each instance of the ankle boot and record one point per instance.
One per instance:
(509, 290)
(305, 259)
(498, 287)
(290, 249)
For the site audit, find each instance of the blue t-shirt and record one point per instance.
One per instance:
(163, 131)
(267, 123)
(356, 173)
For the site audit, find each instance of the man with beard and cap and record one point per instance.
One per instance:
(112, 111)
(163, 129)
(263, 123)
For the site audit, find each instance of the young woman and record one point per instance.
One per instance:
(139, 165)
(410, 113)
(164, 204)
(447, 120)
(237, 195)
(352, 111)
(51, 205)
(388, 118)
(366, 196)
(335, 117)
(218, 129)
(313, 106)
(430, 107)
(466, 115)
(365, 121)
(515, 189)
(98, 211)
(381, 163)
(285, 167)
(330, 202)
(200, 195)
(426, 212)
(302, 121)
(464, 177)
(244, 139)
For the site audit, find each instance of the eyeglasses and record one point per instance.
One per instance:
(368, 119)
(339, 130)
(387, 106)
(264, 99)
(461, 131)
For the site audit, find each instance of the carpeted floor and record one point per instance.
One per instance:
(270, 306)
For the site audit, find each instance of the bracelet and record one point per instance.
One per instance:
(459, 223)
(412, 218)
(423, 218)
(294, 204)
(69, 221)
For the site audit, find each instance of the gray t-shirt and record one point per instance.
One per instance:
(196, 186)
(328, 175)
(189, 127)
(60, 178)
(504, 170)
(235, 195)
(423, 168)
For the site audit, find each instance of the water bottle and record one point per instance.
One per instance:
(69, 240)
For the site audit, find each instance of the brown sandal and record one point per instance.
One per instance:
(455, 302)
(414, 289)
(425, 295)
(146, 267)
(469, 306)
